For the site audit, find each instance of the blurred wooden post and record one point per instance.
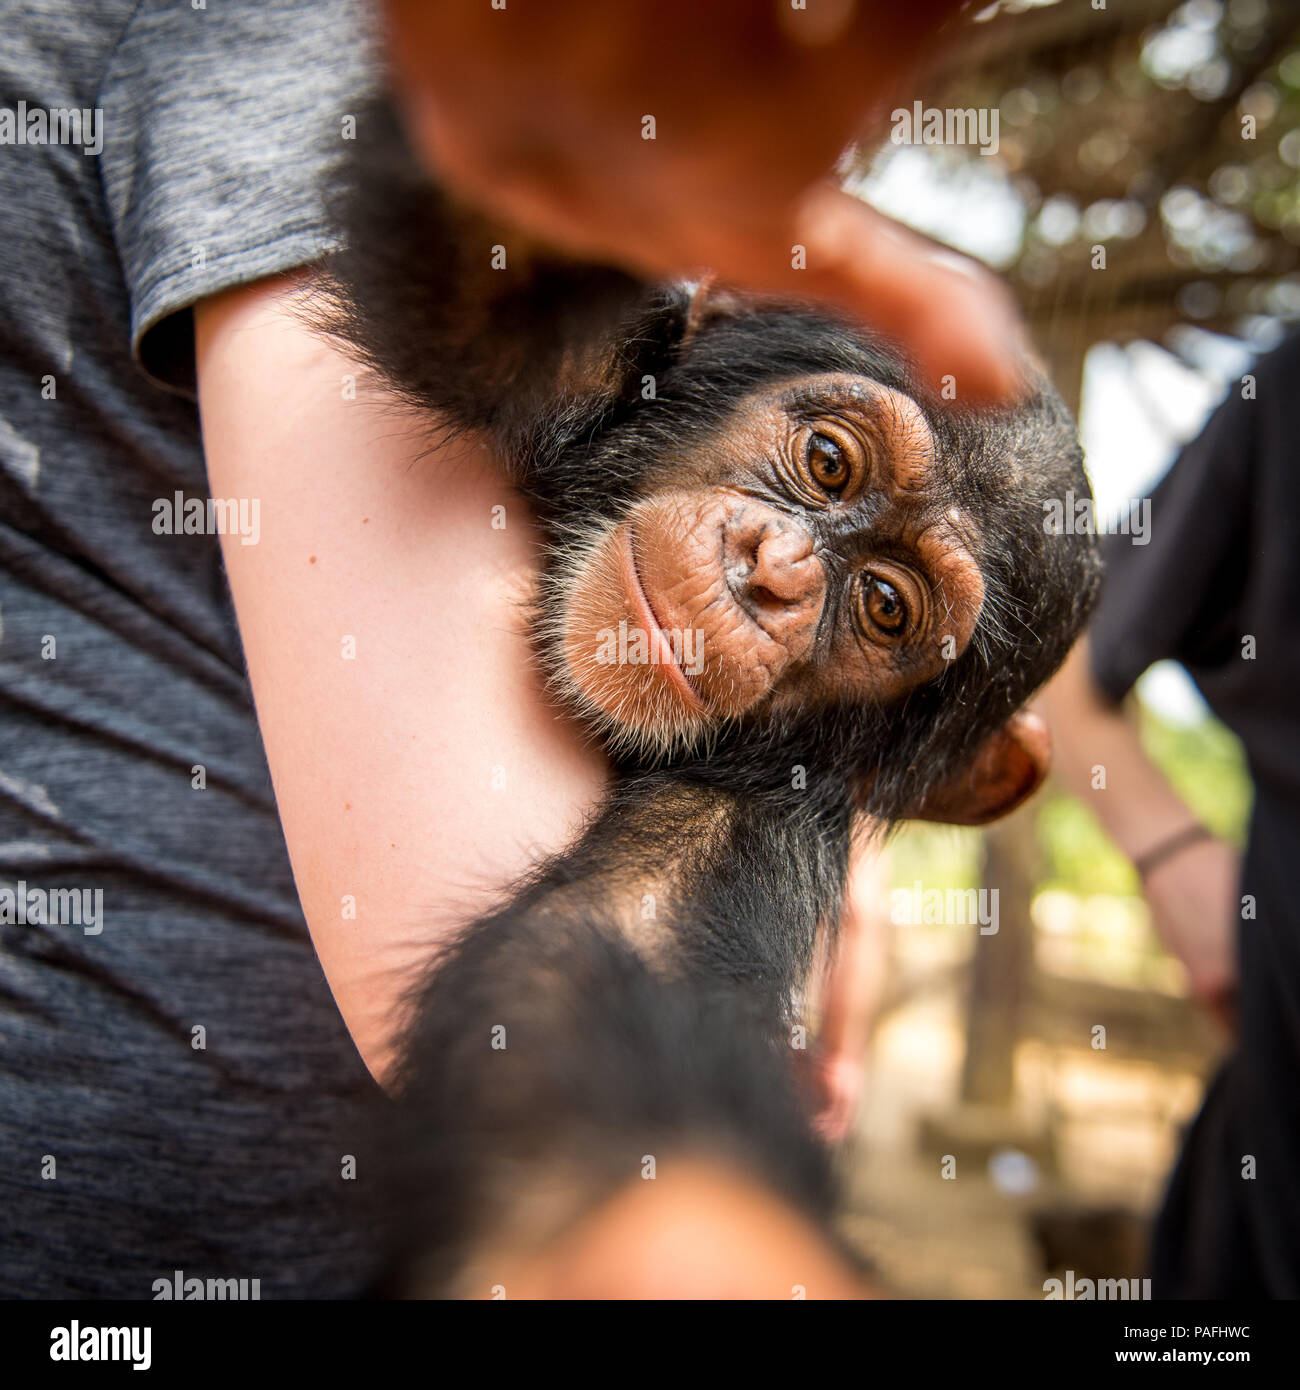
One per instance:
(1002, 964)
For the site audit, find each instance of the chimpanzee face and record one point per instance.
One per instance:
(811, 552)
(766, 544)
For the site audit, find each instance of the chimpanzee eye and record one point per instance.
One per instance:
(883, 604)
(827, 464)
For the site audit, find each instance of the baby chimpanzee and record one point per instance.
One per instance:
(790, 591)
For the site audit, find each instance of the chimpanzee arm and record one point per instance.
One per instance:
(549, 1066)
(636, 997)
(471, 319)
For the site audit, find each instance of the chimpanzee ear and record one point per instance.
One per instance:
(707, 302)
(1009, 767)
(660, 332)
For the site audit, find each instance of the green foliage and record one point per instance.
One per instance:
(938, 855)
(1207, 768)
(1078, 855)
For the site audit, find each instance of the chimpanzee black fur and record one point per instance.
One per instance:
(614, 1045)
(492, 350)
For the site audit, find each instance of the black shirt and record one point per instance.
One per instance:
(1218, 589)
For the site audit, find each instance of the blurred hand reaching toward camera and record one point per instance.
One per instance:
(676, 137)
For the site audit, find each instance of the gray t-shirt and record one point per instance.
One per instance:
(177, 1089)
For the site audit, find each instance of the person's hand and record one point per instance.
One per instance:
(536, 114)
(1196, 911)
(850, 996)
(701, 1229)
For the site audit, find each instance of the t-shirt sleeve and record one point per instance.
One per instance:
(1178, 596)
(220, 125)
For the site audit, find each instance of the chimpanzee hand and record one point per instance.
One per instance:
(671, 137)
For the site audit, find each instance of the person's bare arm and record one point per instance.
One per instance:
(850, 993)
(1193, 892)
(417, 764)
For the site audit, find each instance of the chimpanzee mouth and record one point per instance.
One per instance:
(663, 653)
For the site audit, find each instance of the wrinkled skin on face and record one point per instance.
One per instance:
(810, 553)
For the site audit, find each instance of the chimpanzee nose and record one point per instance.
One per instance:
(774, 574)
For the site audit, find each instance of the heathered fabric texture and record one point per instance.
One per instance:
(126, 1151)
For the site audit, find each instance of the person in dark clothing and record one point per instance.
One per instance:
(1218, 590)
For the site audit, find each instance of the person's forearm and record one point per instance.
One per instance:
(1098, 756)
(1189, 878)
(417, 764)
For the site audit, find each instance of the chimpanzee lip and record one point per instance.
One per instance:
(649, 619)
